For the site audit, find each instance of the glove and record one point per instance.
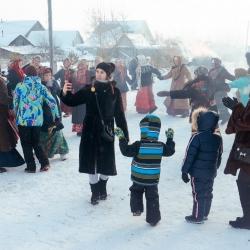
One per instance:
(229, 102)
(185, 177)
(163, 93)
(119, 133)
(169, 133)
(160, 77)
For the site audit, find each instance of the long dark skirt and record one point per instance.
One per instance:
(11, 159)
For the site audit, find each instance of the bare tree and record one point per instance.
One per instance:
(43, 48)
(104, 30)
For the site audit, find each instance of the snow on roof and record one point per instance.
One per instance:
(23, 50)
(7, 39)
(16, 27)
(62, 38)
(138, 40)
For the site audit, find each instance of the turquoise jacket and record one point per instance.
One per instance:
(243, 85)
(28, 99)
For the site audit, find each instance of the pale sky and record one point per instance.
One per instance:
(192, 19)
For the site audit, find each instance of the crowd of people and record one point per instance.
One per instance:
(32, 105)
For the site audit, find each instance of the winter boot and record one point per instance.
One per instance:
(102, 188)
(2, 170)
(95, 193)
(192, 219)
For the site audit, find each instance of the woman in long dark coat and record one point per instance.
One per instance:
(79, 79)
(9, 156)
(97, 156)
(239, 124)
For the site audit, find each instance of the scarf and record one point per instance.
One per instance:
(18, 70)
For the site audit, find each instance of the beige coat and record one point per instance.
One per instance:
(7, 138)
(177, 85)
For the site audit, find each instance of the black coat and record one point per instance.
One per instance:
(146, 75)
(61, 75)
(94, 150)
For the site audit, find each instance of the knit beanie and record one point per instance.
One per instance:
(109, 68)
(31, 71)
(150, 127)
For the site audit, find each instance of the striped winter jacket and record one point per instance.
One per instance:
(147, 153)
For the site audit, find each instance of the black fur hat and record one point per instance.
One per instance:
(109, 68)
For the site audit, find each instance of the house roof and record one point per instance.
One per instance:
(137, 41)
(17, 27)
(7, 39)
(62, 38)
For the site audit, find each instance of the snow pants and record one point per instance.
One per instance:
(202, 193)
(153, 214)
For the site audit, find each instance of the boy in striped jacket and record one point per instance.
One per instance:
(146, 165)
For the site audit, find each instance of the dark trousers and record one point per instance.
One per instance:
(153, 214)
(202, 193)
(30, 139)
(243, 184)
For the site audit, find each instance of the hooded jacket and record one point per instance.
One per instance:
(147, 153)
(204, 150)
(28, 99)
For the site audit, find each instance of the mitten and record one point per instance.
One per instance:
(185, 177)
(160, 77)
(163, 93)
(229, 102)
(169, 133)
(119, 133)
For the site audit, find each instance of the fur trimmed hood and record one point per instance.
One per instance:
(204, 120)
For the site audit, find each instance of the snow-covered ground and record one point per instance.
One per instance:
(52, 210)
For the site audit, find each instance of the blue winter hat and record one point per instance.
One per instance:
(150, 127)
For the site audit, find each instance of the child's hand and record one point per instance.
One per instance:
(185, 177)
(119, 133)
(169, 133)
